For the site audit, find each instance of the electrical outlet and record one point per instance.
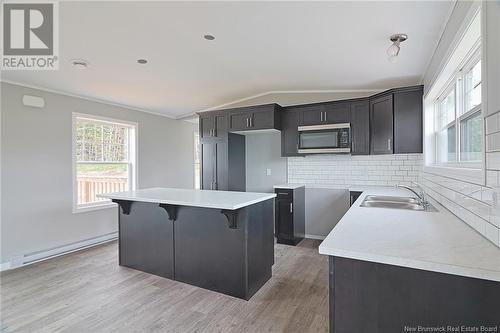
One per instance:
(268, 172)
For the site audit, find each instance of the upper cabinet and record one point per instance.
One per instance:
(360, 127)
(324, 113)
(255, 118)
(381, 120)
(396, 121)
(386, 123)
(213, 125)
(289, 132)
(408, 116)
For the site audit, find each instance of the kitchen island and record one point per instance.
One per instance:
(217, 240)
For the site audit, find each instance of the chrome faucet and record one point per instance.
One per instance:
(421, 196)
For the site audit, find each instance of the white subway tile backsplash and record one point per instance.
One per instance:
(474, 204)
(493, 142)
(492, 233)
(356, 170)
(493, 161)
(493, 123)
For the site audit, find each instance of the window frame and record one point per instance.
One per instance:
(457, 83)
(132, 159)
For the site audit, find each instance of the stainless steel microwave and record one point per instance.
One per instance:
(331, 138)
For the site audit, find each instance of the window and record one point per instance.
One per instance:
(197, 167)
(458, 119)
(103, 158)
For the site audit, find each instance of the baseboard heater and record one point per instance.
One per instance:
(34, 257)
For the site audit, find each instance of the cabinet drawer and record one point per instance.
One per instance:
(282, 193)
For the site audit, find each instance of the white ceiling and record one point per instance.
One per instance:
(259, 47)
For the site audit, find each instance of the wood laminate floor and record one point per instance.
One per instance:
(88, 292)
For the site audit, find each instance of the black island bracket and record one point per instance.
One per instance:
(171, 211)
(231, 216)
(124, 204)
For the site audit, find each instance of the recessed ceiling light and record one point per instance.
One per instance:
(142, 61)
(209, 37)
(80, 63)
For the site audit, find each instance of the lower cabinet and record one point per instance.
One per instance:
(368, 297)
(290, 215)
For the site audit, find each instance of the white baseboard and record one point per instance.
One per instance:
(31, 258)
(315, 237)
(4, 266)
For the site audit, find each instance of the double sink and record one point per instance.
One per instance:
(408, 203)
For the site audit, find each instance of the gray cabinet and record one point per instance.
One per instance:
(311, 114)
(325, 113)
(336, 112)
(289, 132)
(290, 215)
(255, 118)
(213, 125)
(208, 162)
(408, 114)
(223, 164)
(381, 120)
(360, 127)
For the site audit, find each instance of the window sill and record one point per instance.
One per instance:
(471, 175)
(92, 207)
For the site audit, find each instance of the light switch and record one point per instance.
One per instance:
(268, 172)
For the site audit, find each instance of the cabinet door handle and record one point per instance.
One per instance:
(291, 207)
(325, 115)
(247, 122)
(321, 116)
(251, 121)
(388, 144)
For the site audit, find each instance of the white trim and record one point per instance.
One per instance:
(464, 26)
(87, 98)
(429, 62)
(315, 237)
(34, 257)
(190, 114)
(132, 162)
(94, 206)
(4, 266)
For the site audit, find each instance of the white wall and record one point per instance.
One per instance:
(36, 166)
(263, 151)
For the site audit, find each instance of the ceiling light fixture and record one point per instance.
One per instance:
(393, 50)
(209, 37)
(142, 61)
(80, 63)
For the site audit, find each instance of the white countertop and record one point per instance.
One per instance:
(196, 198)
(289, 186)
(433, 241)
